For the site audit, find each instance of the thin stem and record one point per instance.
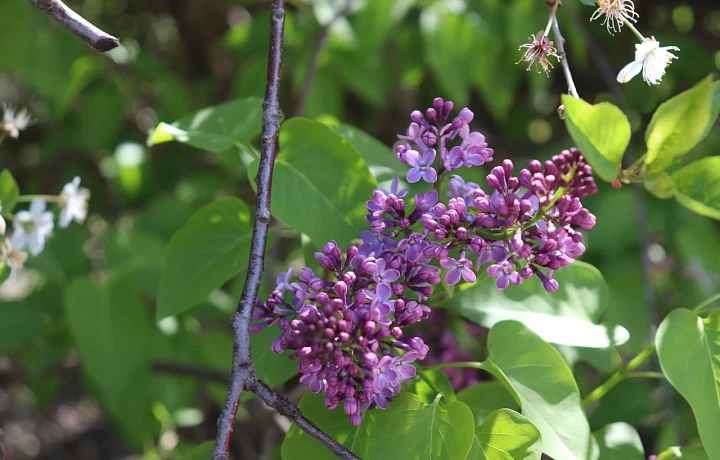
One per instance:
(242, 376)
(29, 198)
(618, 376)
(646, 375)
(553, 11)
(471, 364)
(430, 383)
(560, 43)
(634, 29)
(78, 25)
(700, 309)
(315, 57)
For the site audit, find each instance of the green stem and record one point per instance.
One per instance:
(553, 11)
(646, 375)
(634, 30)
(619, 375)
(429, 382)
(698, 310)
(472, 364)
(29, 198)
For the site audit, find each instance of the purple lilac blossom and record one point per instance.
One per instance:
(348, 333)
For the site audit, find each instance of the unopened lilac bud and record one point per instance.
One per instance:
(343, 337)
(369, 327)
(398, 288)
(351, 252)
(457, 123)
(417, 116)
(429, 138)
(316, 284)
(461, 233)
(448, 107)
(396, 332)
(526, 272)
(431, 114)
(349, 278)
(322, 297)
(439, 209)
(341, 288)
(477, 244)
(438, 103)
(440, 234)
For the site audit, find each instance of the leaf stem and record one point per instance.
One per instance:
(471, 364)
(646, 375)
(428, 380)
(700, 309)
(618, 376)
(560, 43)
(553, 11)
(634, 29)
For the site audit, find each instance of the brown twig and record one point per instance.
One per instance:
(314, 58)
(78, 25)
(189, 370)
(242, 376)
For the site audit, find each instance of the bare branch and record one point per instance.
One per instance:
(560, 44)
(243, 376)
(313, 64)
(188, 370)
(78, 25)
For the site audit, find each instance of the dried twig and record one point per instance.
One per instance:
(243, 375)
(78, 25)
(560, 44)
(313, 64)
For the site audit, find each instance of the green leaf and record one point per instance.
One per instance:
(200, 452)
(486, 397)
(698, 186)
(545, 385)
(5, 272)
(506, 435)
(689, 352)
(216, 128)
(677, 126)
(212, 248)
(320, 183)
(601, 132)
(19, 321)
(8, 191)
(272, 368)
(715, 109)
(439, 380)
(112, 335)
(566, 316)
(661, 185)
(335, 423)
(683, 453)
(619, 441)
(410, 429)
(381, 160)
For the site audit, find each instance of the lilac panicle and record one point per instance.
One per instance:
(349, 333)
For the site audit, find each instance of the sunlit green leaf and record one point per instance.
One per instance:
(698, 186)
(619, 441)
(8, 191)
(601, 132)
(381, 160)
(506, 435)
(545, 385)
(486, 397)
(215, 128)
(426, 393)
(410, 429)
(564, 317)
(677, 126)
(200, 452)
(689, 352)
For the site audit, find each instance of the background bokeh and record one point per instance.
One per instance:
(384, 59)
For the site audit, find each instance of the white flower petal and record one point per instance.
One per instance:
(37, 208)
(629, 71)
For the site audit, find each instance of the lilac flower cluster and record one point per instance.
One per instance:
(348, 332)
(430, 133)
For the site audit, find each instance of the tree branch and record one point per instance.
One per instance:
(314, 58)
(78, 25)
(560, 43)
(189, 370)
(243, 375)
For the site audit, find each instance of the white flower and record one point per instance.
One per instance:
(31, 228)
(3, 226)
(12, 258)
(616, 12)
(14, 122)
(73, 203)
(651, 59)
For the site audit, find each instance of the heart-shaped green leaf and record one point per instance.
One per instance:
(546, 388)
(677, 126)
(410, 429)
(698, 186)
(506, 435)
(601, 132)
(689, 351)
